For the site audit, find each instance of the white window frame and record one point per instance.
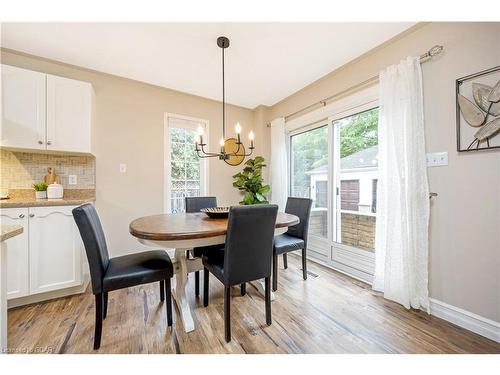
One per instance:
(348, 259)
(167, 178)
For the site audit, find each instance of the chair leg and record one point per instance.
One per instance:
(162, 290)
(205, 287)
(227, 312)
(243, 288)
(275, 272)
(197, 283)
(267, 282)
(169, 302)
(98, 320)
(285, 261)
(105, 307)
(304, 264)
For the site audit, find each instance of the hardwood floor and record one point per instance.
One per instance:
(328, 314)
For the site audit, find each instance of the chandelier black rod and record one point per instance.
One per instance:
(223, 97)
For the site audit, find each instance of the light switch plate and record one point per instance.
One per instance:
(123, 168)
(73, 179)
(437, 159)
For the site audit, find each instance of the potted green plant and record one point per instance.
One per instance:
(40, 190)
(250, 182)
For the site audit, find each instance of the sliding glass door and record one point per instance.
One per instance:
(309, 170)
(334, 163)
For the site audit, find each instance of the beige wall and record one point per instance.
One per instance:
(465, 218)
(129, 120)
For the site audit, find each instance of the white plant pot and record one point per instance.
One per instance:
(41, 194)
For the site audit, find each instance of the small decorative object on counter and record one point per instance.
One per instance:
(55, 191)
(52, 177)
(40, 190)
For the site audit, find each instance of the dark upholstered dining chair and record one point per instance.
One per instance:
(108, 274)
(246, 256)
(295, 238)
(195, 204)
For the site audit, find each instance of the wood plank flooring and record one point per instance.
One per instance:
(328, 314)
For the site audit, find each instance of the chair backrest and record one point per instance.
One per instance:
(90, 228)
(249, 243)
(195, 204)
(300, 207)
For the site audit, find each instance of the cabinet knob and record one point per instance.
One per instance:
(49, 142)
(40, 142)
(21, 216)
(31, 215)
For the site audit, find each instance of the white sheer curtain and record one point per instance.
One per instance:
(279, 166)
(401, 240)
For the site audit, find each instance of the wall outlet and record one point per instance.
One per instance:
(73, 179)
(437, 159)
(123, 168)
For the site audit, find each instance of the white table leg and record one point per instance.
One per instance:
(183, 266)
(179, 291)
(260, 286)
(3, 298)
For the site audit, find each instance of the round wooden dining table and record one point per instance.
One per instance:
(185, 231)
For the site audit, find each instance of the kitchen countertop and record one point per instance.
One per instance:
(9, 231)
(26, 198)
(27, 202)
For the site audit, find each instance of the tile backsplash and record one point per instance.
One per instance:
(19, 170)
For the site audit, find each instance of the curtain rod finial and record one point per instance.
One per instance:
(436, 50)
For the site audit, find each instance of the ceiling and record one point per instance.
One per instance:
(265, 63)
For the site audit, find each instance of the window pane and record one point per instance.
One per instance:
(358, 175)
(177, 151)
(177, 135)
(309, 161)
(184, 168)
(178, 170)
(193, 171)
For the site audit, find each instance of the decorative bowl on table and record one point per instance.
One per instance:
(216, 212)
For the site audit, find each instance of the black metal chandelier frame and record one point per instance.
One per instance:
(223, 43)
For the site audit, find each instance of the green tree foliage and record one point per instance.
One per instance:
(250, 181)
(309, 150)
(359, 132)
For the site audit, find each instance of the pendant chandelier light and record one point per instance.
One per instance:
(232, 150)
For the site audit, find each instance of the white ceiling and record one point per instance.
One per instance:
(265, 63)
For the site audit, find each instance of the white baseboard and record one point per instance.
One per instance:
(465, 319)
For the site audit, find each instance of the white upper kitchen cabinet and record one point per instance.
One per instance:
(17, 253)
(68, 114)
(45, 112)
(23, 108)
(55, 249)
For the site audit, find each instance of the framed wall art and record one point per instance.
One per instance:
(478, 111)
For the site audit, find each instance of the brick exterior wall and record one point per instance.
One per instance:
(357, 230)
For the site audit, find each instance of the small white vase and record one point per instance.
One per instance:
(41, 194)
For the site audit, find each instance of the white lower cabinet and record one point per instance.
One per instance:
(48, 255)
(55, 249)
(17, 253)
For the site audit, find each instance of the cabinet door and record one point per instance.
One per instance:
(68, 114)
(17, 253)
(55, 249)
(23, 108)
